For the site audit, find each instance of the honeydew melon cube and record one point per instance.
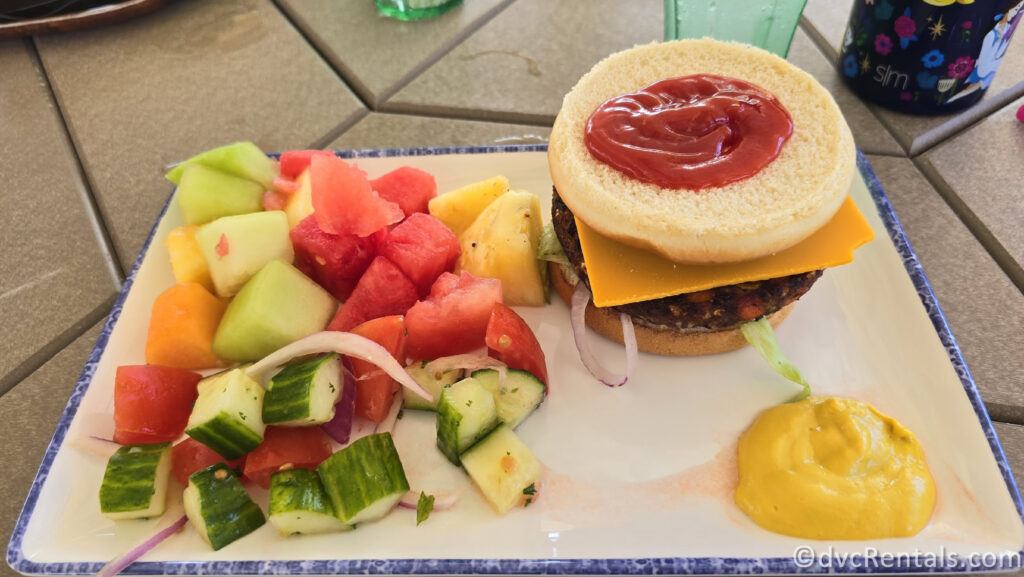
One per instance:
(187, 260)
(205, 194)
(241, 159)
(237, 247)
(277, 306)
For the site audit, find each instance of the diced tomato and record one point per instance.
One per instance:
(382, 290)
(375, 390)
(294, 162)
(190, 456)
(152, 403)
(344, 202)
(410, 187)
(453, 319)
(510, 340)
(297, 447)
(423, 248)
(334, 261)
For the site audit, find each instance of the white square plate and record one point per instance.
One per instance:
(638, 479)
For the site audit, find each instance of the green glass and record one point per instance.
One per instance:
(768, 24)
(415, 9)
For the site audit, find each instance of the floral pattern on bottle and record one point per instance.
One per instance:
(926, 56)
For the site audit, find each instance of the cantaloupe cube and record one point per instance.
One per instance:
(182, 325)
(186, 259)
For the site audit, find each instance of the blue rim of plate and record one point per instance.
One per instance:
(642, 566)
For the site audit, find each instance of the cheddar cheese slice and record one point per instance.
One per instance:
(621, 274)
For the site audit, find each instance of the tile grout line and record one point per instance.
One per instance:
(974, 224)
(35, 362)
(333, 134)
(95, 212)
(441, 52)
(541, 120)
(361, 91)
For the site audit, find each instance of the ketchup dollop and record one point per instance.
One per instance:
(690, 132)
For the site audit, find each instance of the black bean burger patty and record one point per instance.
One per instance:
(718, 308)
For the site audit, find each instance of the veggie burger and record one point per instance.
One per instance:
(699, 185)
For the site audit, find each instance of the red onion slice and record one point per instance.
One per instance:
(339, 427)
(443, 499)
(580, 300)
(122, 562)
(337, 342)
(93, 445)
(469, 362)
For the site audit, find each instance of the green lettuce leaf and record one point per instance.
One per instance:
(549, 249)
(760, 335)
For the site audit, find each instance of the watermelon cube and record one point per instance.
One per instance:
(382, 291)
(295, 162)
(334, 261)
(453, 319)
(344, 202)
(423, 248)
(411, 188)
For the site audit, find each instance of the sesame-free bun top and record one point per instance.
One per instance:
(782, 204)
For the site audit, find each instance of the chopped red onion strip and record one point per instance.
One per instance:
(339, 427)
(338, 342)
(121, 563)
(93, 445)
(580, 300)
(443, 499)
(469, 362)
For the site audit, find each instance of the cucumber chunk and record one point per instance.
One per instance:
(227, 416)
(517, 397)
(433, 382)
(364, 480)
(504, 469)
(465, 414)
(219, 508)
(304, 393)
(135, 482)
(299, 504)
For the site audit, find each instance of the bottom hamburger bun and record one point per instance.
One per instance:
(666, 342)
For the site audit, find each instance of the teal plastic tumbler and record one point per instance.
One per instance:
(414, 9)
(768, 24)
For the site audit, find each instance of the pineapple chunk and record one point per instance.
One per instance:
(186, 259)
(300, 204)
(459, 208)
(502, 243)
(504, 469)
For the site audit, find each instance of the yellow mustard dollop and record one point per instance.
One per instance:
(832, 468)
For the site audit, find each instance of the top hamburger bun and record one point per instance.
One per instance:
(779, 206)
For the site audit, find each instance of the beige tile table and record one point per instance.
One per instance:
(90, 120)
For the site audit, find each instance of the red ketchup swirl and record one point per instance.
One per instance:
(690, 132)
